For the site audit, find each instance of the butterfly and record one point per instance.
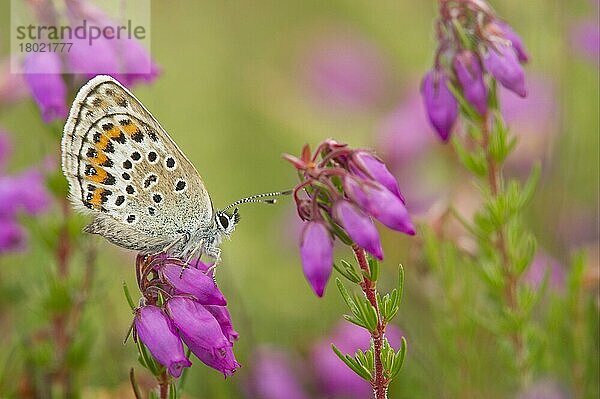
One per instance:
(142, 191)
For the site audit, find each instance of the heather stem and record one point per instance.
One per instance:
(511, 280)
(379, 382)
(163, 383)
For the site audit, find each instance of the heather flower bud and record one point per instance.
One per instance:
(440, 104)
(515, 39)
(377, 171)
(194, 282)
(316, 251)
(469, 74)
(198, 327)
(43, 76)
(359, 227)
(503, 64)
(156, 331)
(381, 204)
(221, 314)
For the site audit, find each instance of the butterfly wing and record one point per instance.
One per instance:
(123, 168)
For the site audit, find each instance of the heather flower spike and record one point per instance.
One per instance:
(341, 190)
(183, 306)
(474, 47)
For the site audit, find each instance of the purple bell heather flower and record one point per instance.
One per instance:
(223, 361)
(440, 104)
(333, 378)
(156, 331)
(377, 171)
(381, 204)
(274, 377)
(194, 282)
(515, 39)
(198, 327)
(316, 251)
(12, 235)
(359, 227)
(12, 85)
(221, 314)
(503, 64)
(469, 74)
(99, 57)
(43, 76)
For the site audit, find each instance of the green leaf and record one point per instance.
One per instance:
(475, 160)
(373, 269)
(353, 364)
(399, 359)
(400, 283)
(530, 186)
(128, 296)
(345, 295)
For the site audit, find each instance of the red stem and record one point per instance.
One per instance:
(379, 382)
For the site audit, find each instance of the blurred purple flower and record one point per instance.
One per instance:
(136, 63)
(503, 64)
(585, 37)
(440, 104)
(12, 85)
(12, 235)
(343, 70)
(157, 332)
(403, 136)
(23, 192)
(316, 252)
(544, 389)
(334, 379)
(43, 75)
(274, 377)
(542, 264)
(359, 227)
(470, 76)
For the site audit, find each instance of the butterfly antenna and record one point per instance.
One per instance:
(260, 198)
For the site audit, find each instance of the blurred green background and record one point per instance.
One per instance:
(234, 95)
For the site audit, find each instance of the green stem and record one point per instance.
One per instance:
(380, 382)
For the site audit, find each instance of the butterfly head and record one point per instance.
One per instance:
(226, 222)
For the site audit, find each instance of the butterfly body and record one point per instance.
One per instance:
(125, 170)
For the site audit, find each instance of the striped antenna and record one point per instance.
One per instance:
(259, 198)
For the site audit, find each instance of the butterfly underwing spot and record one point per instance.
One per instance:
(151, 133)
(152, 157)
(129, 189)
(170, 163)
(96, 102)
(103, 143)
(130, 219)
(157, 198)
(99, 158)
(150, 180)
(110, 92)
(96, 196)
(136, 156)
(127, 164)
(122, 102)
(120, 200)
(114, 133)
(180, 186)
(132, 130)
(126, 176)
(151, 211)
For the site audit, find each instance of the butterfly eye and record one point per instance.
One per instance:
(224, 221)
